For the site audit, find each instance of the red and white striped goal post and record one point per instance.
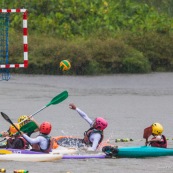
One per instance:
(25, 39)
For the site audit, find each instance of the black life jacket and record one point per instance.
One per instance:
(161, 144)
(88, 133)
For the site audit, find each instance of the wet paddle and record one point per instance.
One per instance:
(57, 99)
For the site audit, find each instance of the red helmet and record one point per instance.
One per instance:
(45, 128)
(100, 123)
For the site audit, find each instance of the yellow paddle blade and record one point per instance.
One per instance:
(3, 151)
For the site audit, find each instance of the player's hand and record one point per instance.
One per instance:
(72, 106)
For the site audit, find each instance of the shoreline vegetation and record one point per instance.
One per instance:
(97, 37)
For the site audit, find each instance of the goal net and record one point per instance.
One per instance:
(4, 25)
(4, 42)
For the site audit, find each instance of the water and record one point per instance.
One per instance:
(129, 103)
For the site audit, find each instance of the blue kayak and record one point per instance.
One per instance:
(137, 151)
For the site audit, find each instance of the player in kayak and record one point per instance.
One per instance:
(15, 140)
(158, 140)
(94, 135)
(29, 125)
(43, 141)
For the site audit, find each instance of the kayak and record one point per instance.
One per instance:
(30, 157)
(68, 142)
(59, 150)
(74, 142)
(137, 151)
(27, 155)
(33, 156)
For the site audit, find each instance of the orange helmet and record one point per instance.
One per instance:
(13, 130)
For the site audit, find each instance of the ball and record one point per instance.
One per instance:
(64, 65)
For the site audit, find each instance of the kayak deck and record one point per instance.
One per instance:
(137, 151)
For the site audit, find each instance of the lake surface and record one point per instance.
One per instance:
(129, 103)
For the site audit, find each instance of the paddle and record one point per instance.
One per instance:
(57, 99)
(8, 120)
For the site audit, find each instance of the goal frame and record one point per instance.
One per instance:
(25, 39)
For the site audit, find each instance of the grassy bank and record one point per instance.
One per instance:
(124, 53)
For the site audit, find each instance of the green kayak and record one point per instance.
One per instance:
(137, 151)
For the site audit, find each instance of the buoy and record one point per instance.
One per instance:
(21, 171)
(2, 170)
(123, 140)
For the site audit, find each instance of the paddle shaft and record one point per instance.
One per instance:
(57, 99)
(33, 114)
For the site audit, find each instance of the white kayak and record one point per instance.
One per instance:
(31, 157)
(27, 155)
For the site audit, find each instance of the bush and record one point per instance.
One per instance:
(125, 53)
(157, 48)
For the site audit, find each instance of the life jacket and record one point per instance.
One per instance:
(161, 144)
(36, 147)
(25, 144)
(88, 133)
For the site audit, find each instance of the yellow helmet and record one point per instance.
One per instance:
(21, 118)
(157, 129)
(13, 130)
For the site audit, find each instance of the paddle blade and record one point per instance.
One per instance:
(58, 99)
(29, 127)
(147, 132)
(6, 117)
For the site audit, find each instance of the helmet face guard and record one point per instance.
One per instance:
(21, 118)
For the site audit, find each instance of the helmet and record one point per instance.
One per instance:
(100, 123)
(157, 129)
(21, 118)
(45, 128)
(12, 129)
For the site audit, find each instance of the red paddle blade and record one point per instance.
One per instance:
(147, 132)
